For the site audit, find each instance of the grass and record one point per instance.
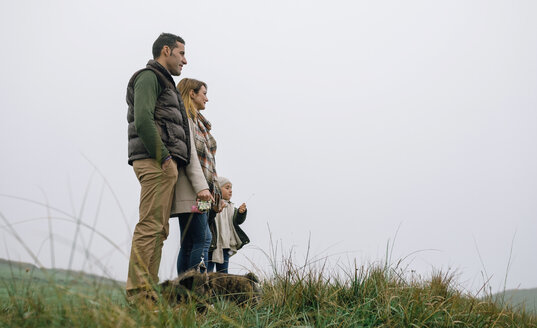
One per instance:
(293, 296)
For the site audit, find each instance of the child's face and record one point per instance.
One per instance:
(227, 191)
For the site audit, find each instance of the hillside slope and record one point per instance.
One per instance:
(21, 276)
(520, 298)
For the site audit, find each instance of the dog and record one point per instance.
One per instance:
(193, 285)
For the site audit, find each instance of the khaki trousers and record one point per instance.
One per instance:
(156, 196)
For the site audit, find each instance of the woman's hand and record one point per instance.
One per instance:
(242, 208)
(205, 195)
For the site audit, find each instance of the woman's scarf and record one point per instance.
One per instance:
(206, 148)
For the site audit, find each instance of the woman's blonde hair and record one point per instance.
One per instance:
(184, 87)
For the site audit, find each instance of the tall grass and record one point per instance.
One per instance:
(306, 295)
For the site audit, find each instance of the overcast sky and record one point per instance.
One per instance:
(348, 126)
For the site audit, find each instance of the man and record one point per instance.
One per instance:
(159, 143)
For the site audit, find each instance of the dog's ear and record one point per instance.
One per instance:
(252, 277)
(187, 282)
(186, 279)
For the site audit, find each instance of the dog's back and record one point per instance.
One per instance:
(239, 288)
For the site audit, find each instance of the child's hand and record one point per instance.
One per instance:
(242, 208)
(220, 206)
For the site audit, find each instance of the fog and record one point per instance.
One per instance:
(356, 131)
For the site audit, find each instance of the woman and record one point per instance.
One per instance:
(197, 181)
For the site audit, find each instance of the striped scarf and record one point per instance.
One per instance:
(206, 148)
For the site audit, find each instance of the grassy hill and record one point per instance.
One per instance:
(13, 269)
(20, 277)
(292, 296)
(20, 270)
(520, 298)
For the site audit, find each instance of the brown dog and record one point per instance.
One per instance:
(193, 285)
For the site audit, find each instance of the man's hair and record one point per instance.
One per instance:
(184, 86)
(165, 39)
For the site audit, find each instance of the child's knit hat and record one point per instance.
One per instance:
(222, 181)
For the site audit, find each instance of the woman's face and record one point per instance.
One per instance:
(199, 98)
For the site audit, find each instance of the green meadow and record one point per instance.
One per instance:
(292, 296)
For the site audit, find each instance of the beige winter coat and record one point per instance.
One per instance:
(190, 182)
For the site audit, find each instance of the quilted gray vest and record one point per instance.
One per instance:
(170, 118)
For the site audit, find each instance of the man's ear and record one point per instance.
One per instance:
(165, 51)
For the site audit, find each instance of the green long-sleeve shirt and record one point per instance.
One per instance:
(146, 91)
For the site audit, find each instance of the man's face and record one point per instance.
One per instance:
(176, 59)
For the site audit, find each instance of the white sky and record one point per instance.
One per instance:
(352, 124)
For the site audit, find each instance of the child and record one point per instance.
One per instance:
(228, 237)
